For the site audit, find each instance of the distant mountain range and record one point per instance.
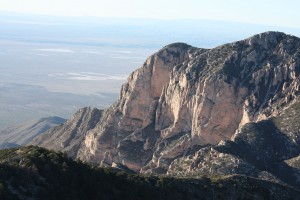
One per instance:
(125, 32)
(22, 134)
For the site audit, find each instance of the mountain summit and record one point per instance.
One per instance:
(192, 112)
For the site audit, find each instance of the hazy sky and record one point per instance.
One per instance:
(270, 12)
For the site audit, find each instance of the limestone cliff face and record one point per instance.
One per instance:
(126, 132)
(184, 98)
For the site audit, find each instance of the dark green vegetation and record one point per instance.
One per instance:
(36, 173)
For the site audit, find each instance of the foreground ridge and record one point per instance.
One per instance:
(36, 173)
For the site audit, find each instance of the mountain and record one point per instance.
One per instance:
(36, 173)
(22, 134)
(203, 112)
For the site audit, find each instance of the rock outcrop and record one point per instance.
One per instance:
(184, 101)
(68, 136)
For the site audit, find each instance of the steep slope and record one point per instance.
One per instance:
(184, 101)
(69, 136)
(36, 173)
(22, 134)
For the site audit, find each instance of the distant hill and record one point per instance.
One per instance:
(22, 134)
(8, 145)
(36, 173)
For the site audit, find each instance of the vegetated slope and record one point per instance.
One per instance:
(192, 112)
(22, 134)
(36, 173)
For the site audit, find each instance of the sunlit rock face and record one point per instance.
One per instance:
(185, 98)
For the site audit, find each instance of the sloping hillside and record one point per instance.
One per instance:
(22, 134)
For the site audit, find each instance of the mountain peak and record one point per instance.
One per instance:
(268, 39)
(180, 45)
(270, 35)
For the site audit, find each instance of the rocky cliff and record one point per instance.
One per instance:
(180, 107)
